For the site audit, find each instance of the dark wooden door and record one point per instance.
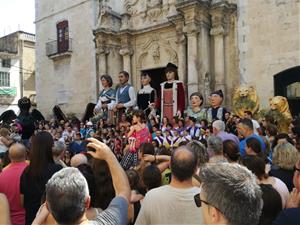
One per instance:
(62, 36)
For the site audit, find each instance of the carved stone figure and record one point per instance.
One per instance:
(245, 99)
(279, 109)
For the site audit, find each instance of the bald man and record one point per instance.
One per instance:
(12, 173)
(78, 159)
(178, 196)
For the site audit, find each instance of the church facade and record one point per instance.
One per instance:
(216, 44)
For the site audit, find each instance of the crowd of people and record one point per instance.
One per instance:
(128, 165)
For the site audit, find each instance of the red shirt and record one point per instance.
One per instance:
(10, 186)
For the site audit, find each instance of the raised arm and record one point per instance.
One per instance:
(119, 178)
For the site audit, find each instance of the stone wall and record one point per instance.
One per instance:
(268, 42)
(69, 81)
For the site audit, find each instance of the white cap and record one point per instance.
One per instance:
(89, 123)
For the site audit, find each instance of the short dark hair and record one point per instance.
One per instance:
(108, 79)
(125, 73)
(151, 177)
(184, 167)
(256, 165)
(248, 113)
(147, 148)
(254, 144)
(247, 122)
(199, 95)
(272, 129)
(231, 150)
(272, 204)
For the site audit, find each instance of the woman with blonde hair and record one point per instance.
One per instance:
(285, 156)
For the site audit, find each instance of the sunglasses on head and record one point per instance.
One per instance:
(198, 202)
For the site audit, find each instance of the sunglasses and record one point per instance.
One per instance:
(296, 169)
(198, 202)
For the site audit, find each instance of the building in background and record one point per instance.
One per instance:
(217, 44)
(17, 69)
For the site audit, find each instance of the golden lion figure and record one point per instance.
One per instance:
(245, 99)
(280, 106)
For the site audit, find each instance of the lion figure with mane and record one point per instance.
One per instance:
(245, 99)
(279, 109)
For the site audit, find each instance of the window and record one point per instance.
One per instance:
(62, 36)
(6, 63)
(4, 79)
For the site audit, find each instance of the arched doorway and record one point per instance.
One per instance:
(287, 84)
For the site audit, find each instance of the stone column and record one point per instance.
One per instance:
(182, 62)
(219, 56)
(102, 53)
(126, 53)
(192, 54)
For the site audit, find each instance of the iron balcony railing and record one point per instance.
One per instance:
(55, 48)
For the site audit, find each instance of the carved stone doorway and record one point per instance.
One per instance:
(157, 76)
(287, 84)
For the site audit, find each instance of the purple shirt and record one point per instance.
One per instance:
(227, 136)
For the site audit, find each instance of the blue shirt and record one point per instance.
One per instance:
(243, 144)
(288, 217)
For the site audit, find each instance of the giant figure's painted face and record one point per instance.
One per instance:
(215, 100)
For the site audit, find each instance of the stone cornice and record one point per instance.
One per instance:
(126, 51)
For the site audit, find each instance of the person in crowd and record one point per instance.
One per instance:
(137, 135)
(257, 165)
(200, 151)
(78, 159)
(215, 150)
(272, 204)
(125, 95)
(89, 130)
(193, 129)
(281, 138)
(227, 209)
(146, 97)
(136, 197)
(168, 139)
(151, 177)
(256, 127)
(15, 133)
(173, 204)
(231, 151)
(58, 152)
(271, 131)
(253, 147)
(67, 191)
(106, 101)
(285, 156)
(78, 145)
(195, 109)
(159, 138)
(172, 94)
(219, 131)
(104, 189)
(36, 175)
(10, 182)
(245, 129)
(4, 210)
(290, 216)
(69, 134)
(5, 141)
(216, 111)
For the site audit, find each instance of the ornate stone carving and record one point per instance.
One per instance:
(129, 6)
(102, 50)
(126, 51)
(191, 29)
(218, 30)
(154, 48)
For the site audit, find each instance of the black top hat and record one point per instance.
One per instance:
(171, 66)
(218, 92)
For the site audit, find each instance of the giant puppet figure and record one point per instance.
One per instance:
(172, 94)
(146, 97)
(216, 111)
(106, 99)
(125, 96)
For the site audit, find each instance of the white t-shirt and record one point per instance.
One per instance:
(169, 205)
(255, 126)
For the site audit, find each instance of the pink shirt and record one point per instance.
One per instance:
(10, 186)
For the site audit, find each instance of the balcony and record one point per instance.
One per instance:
(56, 51)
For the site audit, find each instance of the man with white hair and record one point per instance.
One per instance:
(58, 151)
(78, 159)
(67, 194)
(229, 195)
(219, 131)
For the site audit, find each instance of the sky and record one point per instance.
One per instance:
(16, 15)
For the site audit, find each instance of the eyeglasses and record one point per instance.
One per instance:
(296, 169)
(198, 201)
